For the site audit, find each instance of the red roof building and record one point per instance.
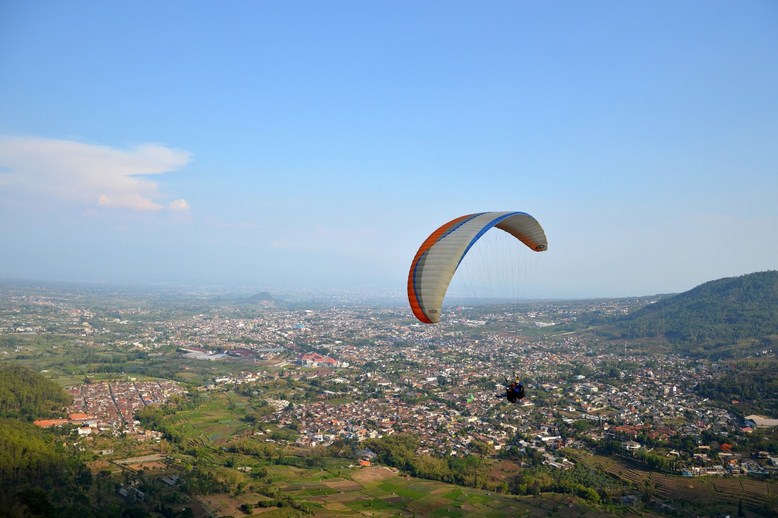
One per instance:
(48, 423)
(316, 360)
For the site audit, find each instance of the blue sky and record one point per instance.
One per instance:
(316, 144)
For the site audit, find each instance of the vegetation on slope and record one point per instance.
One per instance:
(27, 395)
(723, 318)
(747, 387)
(38, 475)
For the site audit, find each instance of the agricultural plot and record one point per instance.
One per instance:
(719, 493)
(379, 491)
(217, 420)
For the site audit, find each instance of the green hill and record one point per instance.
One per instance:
(39, 475)
(27, 395)
(731, 317)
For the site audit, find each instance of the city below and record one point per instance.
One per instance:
(318, 376)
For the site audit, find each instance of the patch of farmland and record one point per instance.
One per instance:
(755, 494)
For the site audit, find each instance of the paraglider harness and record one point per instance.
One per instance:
(514, 390)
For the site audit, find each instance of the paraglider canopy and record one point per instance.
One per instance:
(440, 254)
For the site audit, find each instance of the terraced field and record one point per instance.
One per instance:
(213, 420)
(383, 492)
(722, 493)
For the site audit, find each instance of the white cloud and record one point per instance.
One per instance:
(179, 205)
(69, 171)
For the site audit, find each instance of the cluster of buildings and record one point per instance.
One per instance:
(111, 406)
(440, 383)
(318, 360)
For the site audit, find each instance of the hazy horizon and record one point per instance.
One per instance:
(236, 292)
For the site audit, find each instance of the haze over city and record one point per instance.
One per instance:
(316, 145)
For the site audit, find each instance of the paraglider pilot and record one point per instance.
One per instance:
(514, 390)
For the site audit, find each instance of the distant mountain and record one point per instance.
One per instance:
(263, 298)
(723, 318)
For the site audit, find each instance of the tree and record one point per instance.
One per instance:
(469, 470)
(28, 395)
(481, 448)
(432, 468)
(395, 450)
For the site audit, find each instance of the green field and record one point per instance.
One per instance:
(217, 419)
(381, 491)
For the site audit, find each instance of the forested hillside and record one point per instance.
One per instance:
(39, 475)
(723, 318)
(28, 395)
(752, 384)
